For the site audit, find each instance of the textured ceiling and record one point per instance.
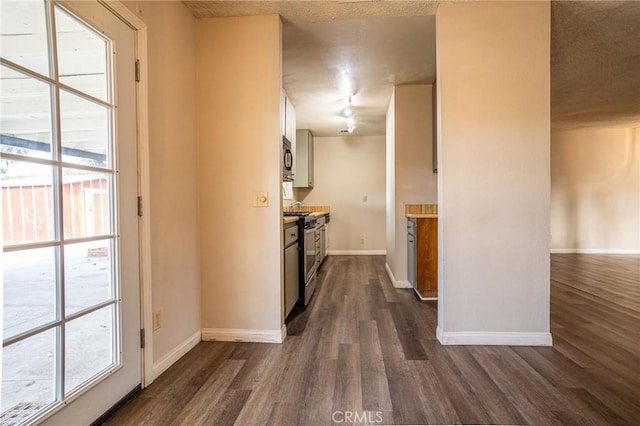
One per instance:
(595, 57)
(371, 45)
(313, 11)
(324, 62)
(595, 63)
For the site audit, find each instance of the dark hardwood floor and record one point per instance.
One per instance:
(364, 347)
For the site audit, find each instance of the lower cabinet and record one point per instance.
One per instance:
(322, 227)
(411, 252)
(323, 243)
(422, 255)
(291, 265)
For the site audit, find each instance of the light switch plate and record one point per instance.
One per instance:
(261, 199)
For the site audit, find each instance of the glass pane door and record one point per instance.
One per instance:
(61, 295)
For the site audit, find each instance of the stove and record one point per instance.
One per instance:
(308, 221)
(296, 213)
(307, 258)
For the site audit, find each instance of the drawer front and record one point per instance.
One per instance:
(290, 235)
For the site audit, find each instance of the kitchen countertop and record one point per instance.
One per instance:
(318, 214)
(314, 211)
(422, 215)
(421, 211)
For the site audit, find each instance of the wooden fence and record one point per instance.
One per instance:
(29, 216)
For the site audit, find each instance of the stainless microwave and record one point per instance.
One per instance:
(287, 160)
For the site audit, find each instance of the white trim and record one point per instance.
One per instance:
(175, 354)
(493, 338)
(420, 296)
(142, 100)
(593, 251)
(357, 252)
(390, 274)
(396, 283)
(144, 190)
(244, 335)
(124, 13)
(403, 284)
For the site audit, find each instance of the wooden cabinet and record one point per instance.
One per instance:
(304, 159)
(422, 256)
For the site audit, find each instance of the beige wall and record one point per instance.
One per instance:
(172, 157)
(411, 179)
(239, 144)
(494, 172)
(347, 168)
(595, 190)
(390, 142)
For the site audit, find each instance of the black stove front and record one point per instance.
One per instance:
(307, 259)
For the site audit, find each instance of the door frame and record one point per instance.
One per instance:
(144, 229)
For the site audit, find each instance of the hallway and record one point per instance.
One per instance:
(368, 351)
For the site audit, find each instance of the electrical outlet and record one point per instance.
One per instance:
(365, 198)
(361, 240)
(156, 320)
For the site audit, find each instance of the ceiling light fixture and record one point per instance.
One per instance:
(348, 111)
(345, 81)
(351, 122)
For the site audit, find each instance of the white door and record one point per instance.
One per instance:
(71, 295)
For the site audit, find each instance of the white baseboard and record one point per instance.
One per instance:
(357, 252)
(493, 338)
(403, 284)
(420, 296)
(161, 365)
(390, 274)
(244, 335)
(594, 251)
(396, 283)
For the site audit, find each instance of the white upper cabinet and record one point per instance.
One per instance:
(283, 112)
(304, 160)
(289, 119)
(288, 124)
